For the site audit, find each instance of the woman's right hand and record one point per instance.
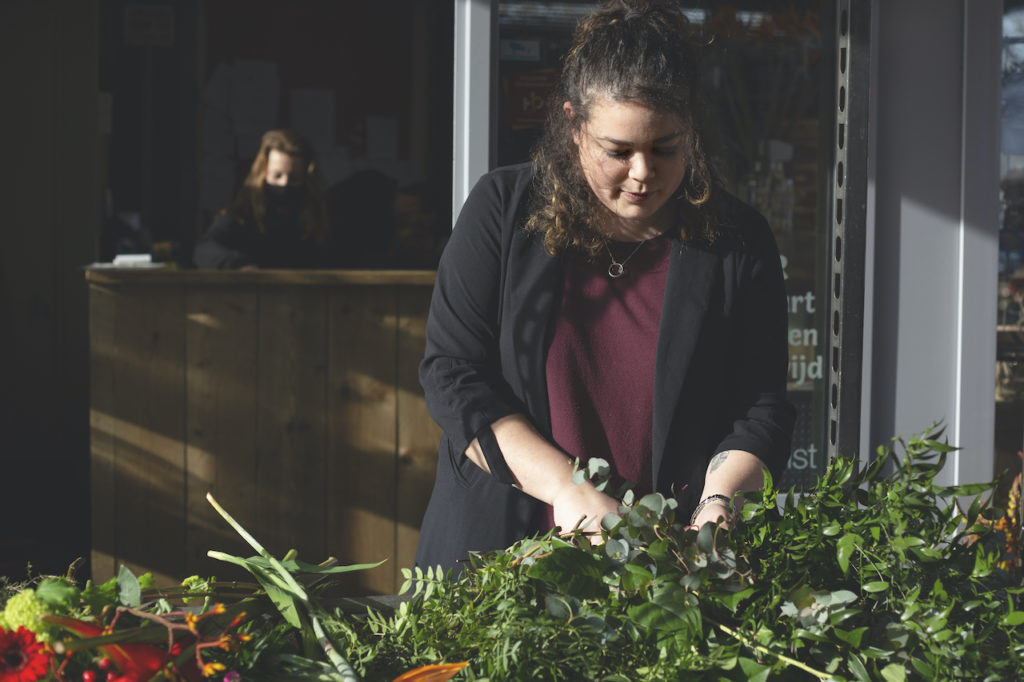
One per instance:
(576, 502)
(543, 471)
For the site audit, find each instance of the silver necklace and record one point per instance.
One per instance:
(617, 269)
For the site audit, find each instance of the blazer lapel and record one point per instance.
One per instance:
(692, 272)
(536, 281)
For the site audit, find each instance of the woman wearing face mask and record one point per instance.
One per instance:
(609, 299)
(278, 218)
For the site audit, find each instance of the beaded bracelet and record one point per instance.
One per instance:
(705, 502)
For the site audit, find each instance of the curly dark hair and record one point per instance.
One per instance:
(642, 51)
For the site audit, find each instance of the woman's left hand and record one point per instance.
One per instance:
(716, 511)
(729, 472)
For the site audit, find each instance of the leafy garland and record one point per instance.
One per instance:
(873, 574)
(866, 576)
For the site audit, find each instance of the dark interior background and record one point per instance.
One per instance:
(105, 118)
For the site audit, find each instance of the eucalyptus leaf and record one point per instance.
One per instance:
(616, 549)
(558, 607)
(706, 538)
(653, 501)
(129, 592)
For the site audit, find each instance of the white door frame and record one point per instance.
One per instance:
(475, 23)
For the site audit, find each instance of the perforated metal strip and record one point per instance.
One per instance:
(849, 214)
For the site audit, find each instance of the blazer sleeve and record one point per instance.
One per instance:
(225, 246)
(461, 369)
(763, 416)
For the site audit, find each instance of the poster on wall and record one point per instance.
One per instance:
(526, 97)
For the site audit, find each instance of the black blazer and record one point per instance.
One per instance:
(720, 377)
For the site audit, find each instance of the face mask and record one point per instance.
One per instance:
(286, 197)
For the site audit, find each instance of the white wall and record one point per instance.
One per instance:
(932, 306)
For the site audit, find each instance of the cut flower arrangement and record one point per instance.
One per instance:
(872, 574)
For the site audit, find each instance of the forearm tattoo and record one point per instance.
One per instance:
(718, 460)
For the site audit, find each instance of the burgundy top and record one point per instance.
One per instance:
(600, 362)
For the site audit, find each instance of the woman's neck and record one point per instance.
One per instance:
(620, 230)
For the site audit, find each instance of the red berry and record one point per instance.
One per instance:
(104, 663)
(89, 676)
(111, 676)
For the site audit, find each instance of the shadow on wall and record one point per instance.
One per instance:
(299, 410)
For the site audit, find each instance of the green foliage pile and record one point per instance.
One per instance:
(873, 574)
(869, 575)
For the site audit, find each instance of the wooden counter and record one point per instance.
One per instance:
(291, 396)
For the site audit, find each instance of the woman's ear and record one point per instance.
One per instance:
(570, 114)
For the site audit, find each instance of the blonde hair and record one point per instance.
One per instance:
(250, 204)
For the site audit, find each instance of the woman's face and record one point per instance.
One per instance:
(633, 159)
(283, 169)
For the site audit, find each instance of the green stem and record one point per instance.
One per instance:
(764, 650)
(283, 572)
(339, 662)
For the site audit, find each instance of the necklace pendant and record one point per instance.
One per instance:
(617, 269)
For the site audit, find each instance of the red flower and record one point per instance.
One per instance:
(22, 658)
(137, 662)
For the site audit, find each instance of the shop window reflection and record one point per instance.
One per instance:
(1010, 321)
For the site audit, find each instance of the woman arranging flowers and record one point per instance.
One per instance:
(608, 300)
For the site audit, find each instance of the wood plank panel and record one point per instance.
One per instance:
(297, 405)
(361, 466)
(290, 453)
(103, 399)
(148, 427)
(418, 435)
(221, 364)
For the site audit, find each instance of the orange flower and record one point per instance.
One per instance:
(432, 673)
(211, 669)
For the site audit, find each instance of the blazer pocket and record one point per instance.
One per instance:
(466, 473)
